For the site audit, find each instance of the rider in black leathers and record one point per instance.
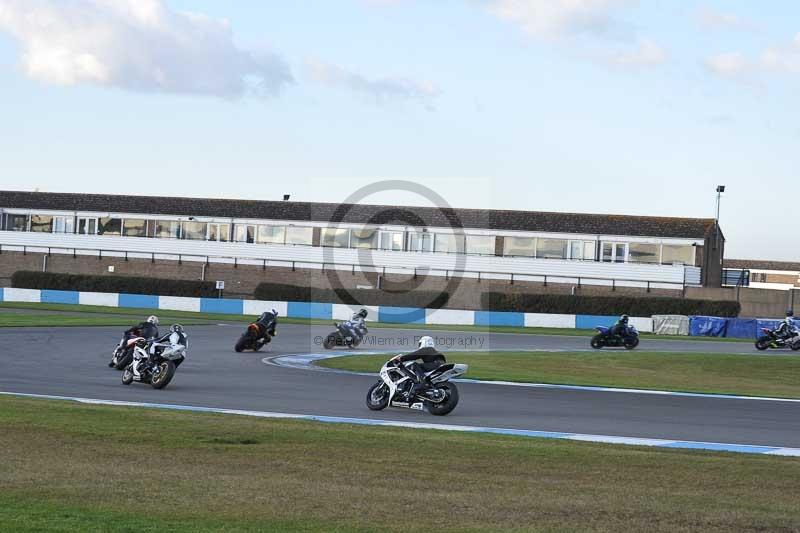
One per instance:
(268, 322)
(147, 329)
(431, 360)
(620, 328)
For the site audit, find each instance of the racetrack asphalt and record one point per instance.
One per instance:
(72, 362)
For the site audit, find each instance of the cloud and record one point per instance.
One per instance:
(784, 58)
(778, 59)
(138, 45)
(380, 89)
(710, 19)
(730, 65)
(647, 54)
(556, 18)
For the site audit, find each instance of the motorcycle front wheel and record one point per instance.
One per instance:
(631, 344)
(378, 396)
(330, 341)
(127, 375)
(448, 404)
(241, 344)
(762, 343)
(124, 360)
(163, 374)
(597, 342)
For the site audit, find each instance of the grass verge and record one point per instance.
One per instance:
(204, 472)
(185, 316)
(756, 375)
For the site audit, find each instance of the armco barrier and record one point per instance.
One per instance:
(323, 311)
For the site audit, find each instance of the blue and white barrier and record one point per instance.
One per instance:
(322, 311)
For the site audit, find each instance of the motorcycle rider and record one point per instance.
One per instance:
(431, 360)
(147, 329)
(620, 328)
(267, 322)
(357, 326)
(786, 328)
(176, 338)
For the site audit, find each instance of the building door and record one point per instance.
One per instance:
(615, 252)
(87, 226)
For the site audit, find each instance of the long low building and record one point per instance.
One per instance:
(592, 249)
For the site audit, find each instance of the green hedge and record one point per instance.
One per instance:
(606, 305)
(295, 293)
(123, 284)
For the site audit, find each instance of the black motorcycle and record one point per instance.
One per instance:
(629, 340)
(770, 339)
(344, 336)
(256, 336)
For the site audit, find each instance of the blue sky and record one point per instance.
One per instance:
(611, 106)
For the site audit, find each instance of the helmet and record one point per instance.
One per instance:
(789, 313)
(624, 318)
(427, 342)
(153, 319)
(176, 328)
(363, 313)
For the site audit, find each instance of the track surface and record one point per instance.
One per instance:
(72, 362)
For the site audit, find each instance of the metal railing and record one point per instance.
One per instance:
(415, 272)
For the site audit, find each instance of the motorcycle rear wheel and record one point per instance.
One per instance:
(597, 342)
(164, 376)
(762, 343)
(378, 396)
(448, 404)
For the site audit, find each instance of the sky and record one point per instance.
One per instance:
(601, 106)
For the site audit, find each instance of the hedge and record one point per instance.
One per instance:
(294, 293)
(605, 305)
(122, 284)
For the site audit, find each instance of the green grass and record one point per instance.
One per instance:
(756, 375)
(185, 316)
(70, 467)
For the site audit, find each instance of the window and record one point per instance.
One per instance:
(364, 238)
(166, 229)
(551, 248)
(758, 277)
(644, 253)
(392, 240)
(63, 224)
(336, 238)
(245, 233)
(301, 236)
(271, 234)
(134, 227)
(195, 231)
(109, 226)
(480, 244)
(445, 243)
(420, 242)
(17, 222)
(582, 250)
(87, 226)
(218, 232)
(42, 223)
(614, 252)
(671, 254)
(523, 246)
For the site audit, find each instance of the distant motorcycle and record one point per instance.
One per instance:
(439, 396)
(770, 339)
(344, 336)
(156, 368)
(629, 340)
(256, 336)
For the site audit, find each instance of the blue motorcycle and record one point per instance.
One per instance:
(629, 339)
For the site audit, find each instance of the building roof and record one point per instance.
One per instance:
(532, 221)
(757, 264)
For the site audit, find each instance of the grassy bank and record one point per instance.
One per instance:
(105, 316)
(202, 472)
(756, 375)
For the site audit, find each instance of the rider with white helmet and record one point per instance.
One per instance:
(430, 358)
(147, 329)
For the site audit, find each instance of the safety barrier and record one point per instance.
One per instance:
(322, 311)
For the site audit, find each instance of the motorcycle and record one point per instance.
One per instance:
(343, 336)
(438, 395)
(123, 353)
(156, 368)
(770, 339)
(256, 336)
(629, 340)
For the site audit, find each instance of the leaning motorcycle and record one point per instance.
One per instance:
(123, 353)
(343, 336)
(629, 340)
(156, 368)
(770, 339)
(256, 336)
(438, 395)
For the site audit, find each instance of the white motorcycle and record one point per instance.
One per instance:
(437, 395)
(154, 363)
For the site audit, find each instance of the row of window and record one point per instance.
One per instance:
(366, 238)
